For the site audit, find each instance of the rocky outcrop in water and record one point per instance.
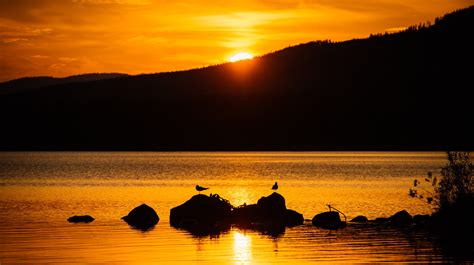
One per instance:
(328, 220)
(202, 214)
(293, 218)
(80, 219)
(270, 210)
(142, 217)
(400, 218)
(359, 219)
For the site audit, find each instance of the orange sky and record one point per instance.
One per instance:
(66, 37)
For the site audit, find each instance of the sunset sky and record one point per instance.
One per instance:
(66, 37)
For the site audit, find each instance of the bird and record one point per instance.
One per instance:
(275, 186)
(199, 188)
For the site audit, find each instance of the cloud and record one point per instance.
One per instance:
(38, 56)
(117, 2)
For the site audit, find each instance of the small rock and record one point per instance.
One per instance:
(359, 219)
(142, 217)
(80, 219)
(401, 218)
(293, 218)
(421, 218)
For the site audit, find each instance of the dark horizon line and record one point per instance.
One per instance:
(172, 150)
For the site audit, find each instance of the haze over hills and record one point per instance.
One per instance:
(404, 91)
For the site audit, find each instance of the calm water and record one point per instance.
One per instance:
(38, 191)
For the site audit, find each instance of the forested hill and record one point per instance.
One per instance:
(405, 91)
(31, 83)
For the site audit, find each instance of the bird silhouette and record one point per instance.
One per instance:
(199, 188)
(275, 186)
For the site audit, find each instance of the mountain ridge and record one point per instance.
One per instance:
(35, 82)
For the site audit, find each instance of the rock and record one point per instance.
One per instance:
(246, 214)
(80, 219)
(328, 220)
(269, 211)
(293, 218)
(202, 214)
(421, 218)
(359, 219)
(401, 218)
(142, 217)
(381, 220)
(272, 206)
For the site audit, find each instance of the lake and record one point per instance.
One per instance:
(40, 190)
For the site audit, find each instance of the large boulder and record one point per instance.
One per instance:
(400, 218)
(80, 219)
(202, 214)
(359, 219)
(328, 220)
(272, 206)
(142, 217)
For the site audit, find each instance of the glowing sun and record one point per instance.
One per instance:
(240, 56)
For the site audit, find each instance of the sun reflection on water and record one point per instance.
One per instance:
(240, 196)
(242, 248)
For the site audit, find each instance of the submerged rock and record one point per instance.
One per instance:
(359, 219)
(328, 220)
(202, 214)
(142, 217)
(401, 218)
(80, 219)
(272, 206)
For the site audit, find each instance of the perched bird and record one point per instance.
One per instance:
(275, 186)
(199, 188)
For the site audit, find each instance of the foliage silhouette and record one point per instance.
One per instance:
(455, 184)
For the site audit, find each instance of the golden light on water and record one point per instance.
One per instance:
(242, 249)
(240, 56)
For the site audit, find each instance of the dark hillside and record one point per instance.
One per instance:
(403, 91)
(31, 83)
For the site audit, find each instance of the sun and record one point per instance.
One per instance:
(240, 56)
